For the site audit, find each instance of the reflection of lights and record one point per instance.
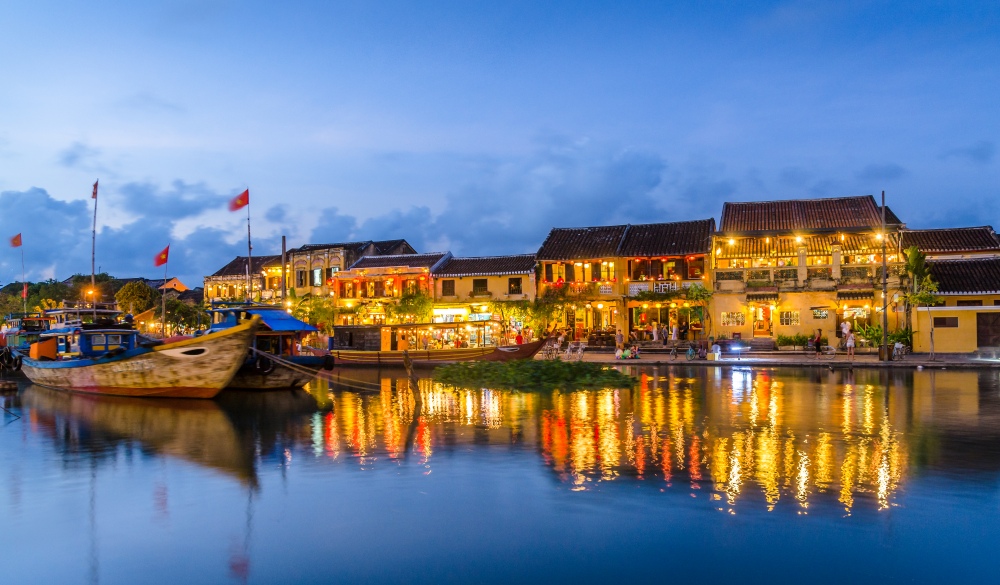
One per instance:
(802, 480)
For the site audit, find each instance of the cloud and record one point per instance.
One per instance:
(980, 153)
(76, 154)
(181, 201)
(276, 213)
(883, 172)
(146, 101)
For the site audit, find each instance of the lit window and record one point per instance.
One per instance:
(733, 319)
(789, 317)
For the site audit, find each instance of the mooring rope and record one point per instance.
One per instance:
(305, 370)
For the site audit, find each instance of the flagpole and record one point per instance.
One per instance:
(93, 248)
(163, 297)
(24, 283)
(249, 295)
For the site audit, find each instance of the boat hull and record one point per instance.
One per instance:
(437, 357)
(198, 367)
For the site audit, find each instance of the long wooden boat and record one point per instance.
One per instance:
(114, 362)
(276, 360)
(437, 357)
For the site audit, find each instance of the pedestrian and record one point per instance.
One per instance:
(519, 339)
(817, 340)
(673, 331)
(850, 345)
(619, 340)
(845, 328)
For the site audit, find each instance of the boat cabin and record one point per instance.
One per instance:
(279, 333)
(23, 329)
(83, 342)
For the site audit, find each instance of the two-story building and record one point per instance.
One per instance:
(229, 283)
(965, 263)
(597, 272)
(312, 268)
(795, 266)
(464, 288)
(368, 291)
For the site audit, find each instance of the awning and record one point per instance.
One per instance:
(762, 297)
(855, 295)
(280, 320)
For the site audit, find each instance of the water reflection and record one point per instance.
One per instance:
(749, 437)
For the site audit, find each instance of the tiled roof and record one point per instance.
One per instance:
(970, 239)
(238, 266)
(841, 213)
(668, 239)
(966, 276)
(652, 239)
(488, 266)
(429, 260)
(387, 246)
(890, 217)
(381, 246)
(582, 243)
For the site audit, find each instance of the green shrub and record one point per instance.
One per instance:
(532, 375)
(800, 339)
(783, 340)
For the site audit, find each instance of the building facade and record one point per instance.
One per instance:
(230, 283)
(368, 292)
(312, 268)
(608, 277)
(797, 266)
(469, 289)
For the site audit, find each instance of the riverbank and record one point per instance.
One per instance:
(801, 359)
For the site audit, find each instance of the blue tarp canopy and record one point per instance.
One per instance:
(280, 320)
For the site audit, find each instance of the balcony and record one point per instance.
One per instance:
(739, 280)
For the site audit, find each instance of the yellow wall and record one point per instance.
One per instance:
(788, 301)
(496, 285)
(987, 300)
(961, 339)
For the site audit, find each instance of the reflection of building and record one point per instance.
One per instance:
(599, 272)
(795, 266)
(465, 289)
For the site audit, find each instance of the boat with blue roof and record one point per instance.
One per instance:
(278, 357)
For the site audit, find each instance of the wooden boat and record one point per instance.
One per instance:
(437, 357)
(114, 361)
(23, 329)
(276, 360)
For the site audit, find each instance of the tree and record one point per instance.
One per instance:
(136, 297)
(924, 295)
(518, 310)
(916, 269)
(45, 304)
(320, 312)
(699, 296)
(418, 305)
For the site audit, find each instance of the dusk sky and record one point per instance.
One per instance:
(474, 127)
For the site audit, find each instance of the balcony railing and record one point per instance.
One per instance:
(820, 273)
(786, 274)
(855, 273)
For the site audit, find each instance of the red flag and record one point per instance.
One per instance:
(94, 194)
(24, 291)
(161, 258)
(15, 242)
(240, 201)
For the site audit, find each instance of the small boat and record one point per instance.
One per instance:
(22, 329)
(437, 357)
(115, 360)
(276, 359)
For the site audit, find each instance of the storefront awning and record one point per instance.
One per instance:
(762, 297)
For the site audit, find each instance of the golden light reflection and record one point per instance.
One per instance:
(760, 440)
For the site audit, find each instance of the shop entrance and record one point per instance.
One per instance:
(762, 323)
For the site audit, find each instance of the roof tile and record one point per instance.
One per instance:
(488, 266)
(970, 239)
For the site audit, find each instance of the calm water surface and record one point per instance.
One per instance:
(696, 475)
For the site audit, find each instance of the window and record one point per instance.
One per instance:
(970, 303)
(607, 270)
(347, 290)
(555, 272)
(100, 340)
(733, 319)
(480, 286)
(390, 287)
(317, 277)
(514, 286)
(788, 317)
(300, 278)
(377, 288)
(447, 288)
(821, 313)
(410, 286)
(331, 271)
(696, 268)
(114, 339)
(946, 321)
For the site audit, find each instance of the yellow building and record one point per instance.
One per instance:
(968, 319)
(313, 267)
(469, 289)
(795, 266)
(599, 272)
(230, 282)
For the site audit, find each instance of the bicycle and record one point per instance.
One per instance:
(898, 351)
(691, 353)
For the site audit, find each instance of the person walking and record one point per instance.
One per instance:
(850, 345)
(817, 341)
(619, 340)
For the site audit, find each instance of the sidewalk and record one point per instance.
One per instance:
(799, 359)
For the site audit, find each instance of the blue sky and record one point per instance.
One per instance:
(473, 126)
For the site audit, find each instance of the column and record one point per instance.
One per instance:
(803, 269)
(836, 262)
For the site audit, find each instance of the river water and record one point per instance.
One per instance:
(695, 475)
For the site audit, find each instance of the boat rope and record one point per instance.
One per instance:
(16, 416)
(361, 384)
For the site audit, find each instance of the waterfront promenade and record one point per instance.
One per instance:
(802, 359)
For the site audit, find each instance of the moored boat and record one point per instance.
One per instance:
(437, 357)
(276, 359)
(115, 361)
